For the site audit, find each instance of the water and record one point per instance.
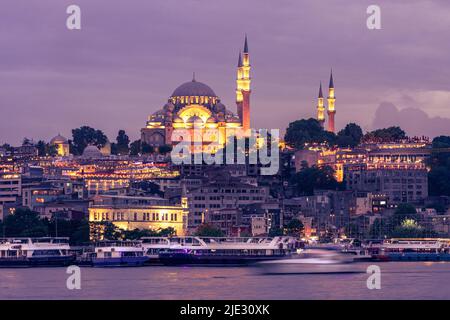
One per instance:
(399, 280)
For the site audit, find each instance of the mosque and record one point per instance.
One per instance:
(195, 105)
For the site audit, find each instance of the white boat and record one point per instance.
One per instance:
(217, 250)
(411, 250)
(313, 260)
(154, 245)
(119, 254)
(32, 252)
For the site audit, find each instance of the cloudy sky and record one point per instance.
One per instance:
(130, 56)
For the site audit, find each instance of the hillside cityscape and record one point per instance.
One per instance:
(331, 184)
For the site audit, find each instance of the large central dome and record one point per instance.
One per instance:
(193, 89)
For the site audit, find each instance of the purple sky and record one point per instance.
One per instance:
(130, 56)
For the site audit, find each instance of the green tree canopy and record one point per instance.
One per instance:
(350, 136)
(84, 136)
(307, 131)
(208, 230)
(24, 223)
(122, 143)
(46, 149)
(385, 134)
(294, 227)
(311, 178)
(165, 149)
(441, 142)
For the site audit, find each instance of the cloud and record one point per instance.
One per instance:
(413, 120)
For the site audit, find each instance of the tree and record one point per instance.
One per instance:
(122, 143)
(24, 223)
(311, 178)
(411, 229)
(146, 148)
(166, 232)
(46, 149)
(294, 227)
(385, 134)
(350, 136)
(276, 232)
(404, 211)
(135, 148)
(439, 175)
(165, 149)
(378, 229)
(441, 142)
(307, 131)
(84, 136)
(208, 230)
(105, 230)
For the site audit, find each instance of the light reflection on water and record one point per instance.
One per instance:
(401, 280)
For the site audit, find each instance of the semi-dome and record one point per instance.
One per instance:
(193, 89)
(59, 139)
(195, 119)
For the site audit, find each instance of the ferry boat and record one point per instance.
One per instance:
(34, 252)
(225, 251)
(118, 254)
(411, 250)
(313, 260)
(153, 246)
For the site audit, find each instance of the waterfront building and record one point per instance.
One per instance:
(132, 212)
(10, 191)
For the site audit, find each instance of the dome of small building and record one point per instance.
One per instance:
(91, 152)
(59, 139)
(193, 89)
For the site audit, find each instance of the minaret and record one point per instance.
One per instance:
(243, 87)
(320, 108)
(331, 108)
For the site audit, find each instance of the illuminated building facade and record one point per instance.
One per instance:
(129, 213)
(194, 105)
(10, 190)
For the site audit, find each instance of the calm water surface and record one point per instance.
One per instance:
(400, 280)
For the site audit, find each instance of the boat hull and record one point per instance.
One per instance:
(418, 257)
(119, 262)
(41, 261)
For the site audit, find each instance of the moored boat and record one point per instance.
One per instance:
(118, 254)
(411, 250)
(225, 251)
(35, 252)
